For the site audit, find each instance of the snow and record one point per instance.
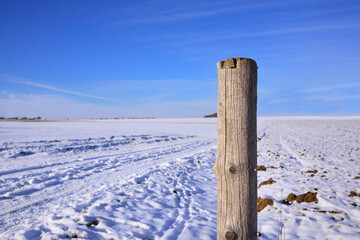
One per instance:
(153, 179)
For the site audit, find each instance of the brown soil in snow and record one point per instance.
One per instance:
(261, 168)
(268, 182)
(354, 194)
(263, 202)
(306, 197)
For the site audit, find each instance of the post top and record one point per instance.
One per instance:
(234, 62)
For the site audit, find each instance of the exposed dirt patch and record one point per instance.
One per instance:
(332, 211)
(261, 168)
(268, 182)
(263, 202)
(291, 197)
(72, 236)
(95, 223)
(354, 194)
(341, 219)
(336, 212)
(306, 197)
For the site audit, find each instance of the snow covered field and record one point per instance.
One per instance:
(153, 179)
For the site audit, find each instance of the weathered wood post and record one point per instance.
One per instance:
(236, 160)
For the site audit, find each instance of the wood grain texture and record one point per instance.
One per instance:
(236, 158)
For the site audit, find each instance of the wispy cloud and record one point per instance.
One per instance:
(184, 14)
(294, 30)
(280, 100)
(61, 107)
(331, 88)
(23, 81)
(313, 12)
(334, 98)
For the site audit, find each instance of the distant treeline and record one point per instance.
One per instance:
(23, 118)
(214, 115)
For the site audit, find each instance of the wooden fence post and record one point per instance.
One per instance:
(236, 160)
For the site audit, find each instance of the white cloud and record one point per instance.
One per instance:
(266, 92)
(332, 87)
(23, 81)
(273, 32)
(280, 100)
(184, 14)
(334, 98)
(59, 107)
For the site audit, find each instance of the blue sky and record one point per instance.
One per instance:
(88, 59)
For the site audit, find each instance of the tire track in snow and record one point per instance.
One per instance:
(119, 169)
(85, 167)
